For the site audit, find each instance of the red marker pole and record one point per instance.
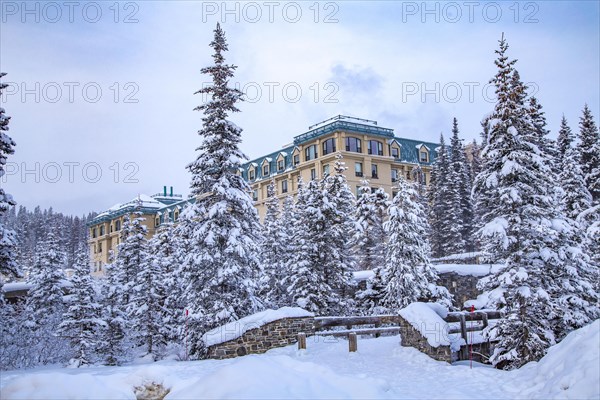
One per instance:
(186, 334)
(471, 345)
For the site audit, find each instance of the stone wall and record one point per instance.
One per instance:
(462, 287)
(410, 337)
(278, 333)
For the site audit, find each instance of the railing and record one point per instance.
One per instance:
(462, 317)
(322, 324)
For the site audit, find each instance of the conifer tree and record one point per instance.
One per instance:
(132, 253)
(408, 274)
(437, 194)
(524, 226)
(8, 237)
(221, 270)
(576, 198)
(146, 309)
(81, 323)
(45, 304)
(163, 249)
(339, 208)
(370, 239)
(113, 349)
(273, 253)
(564, 141)
(589, 153)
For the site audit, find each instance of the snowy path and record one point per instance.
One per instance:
(380, 369)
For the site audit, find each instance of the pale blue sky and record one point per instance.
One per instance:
(368, 61)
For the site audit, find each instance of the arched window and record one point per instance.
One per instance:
(353, 144)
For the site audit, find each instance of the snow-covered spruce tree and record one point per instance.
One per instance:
(589, 153)
(437, 194)
(576, 198)
(112, 349)
(370, 238)
(460, 208)
(163, 252)
(525, 227)
(540, 133)
(307, 285)
(132, 253)
(146, 310)
(45, 304)
(274, 249)
(564, 141)
(339, 208)
(408, 275)
(81, 323)
(8, 237)
(221, 270)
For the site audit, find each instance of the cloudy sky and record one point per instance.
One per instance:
(101, 93)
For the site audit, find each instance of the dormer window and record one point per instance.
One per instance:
(280, 165)
(251, 174)
(296, 159)
(265, 169)
(423, 156)
(395, 152)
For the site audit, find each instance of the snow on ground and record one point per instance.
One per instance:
(234, 330)
(468, 269)
(380, 369)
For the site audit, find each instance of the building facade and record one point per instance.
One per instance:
(370, 152)
(105, 228)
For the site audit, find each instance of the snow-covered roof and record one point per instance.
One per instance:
(468, 269)
(283, 153)
(363, 275)
(422, 145)
(234, 330)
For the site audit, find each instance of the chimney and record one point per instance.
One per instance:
(165, 191)
(171, 191)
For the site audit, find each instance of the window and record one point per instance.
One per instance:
(375, 147)
(358, 171)
(94, 232)
(329, 146)
(95, 248)
(424, 177)
(255, 195)
(313, 174)
(110, 228)
(157, 221)
(176, 215)
(280, 165)
(284, 187)
(118, 225)
(266, 170)
(408, 175)
(358, 191)
(353, 144)
(101, 230)
(395, 152)
(423, 156)
(394, 175)
(251, 174)
(310, 153)
(296, 159)
(325, 169)
(374, 171)
(99, 247)
(394, 194)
